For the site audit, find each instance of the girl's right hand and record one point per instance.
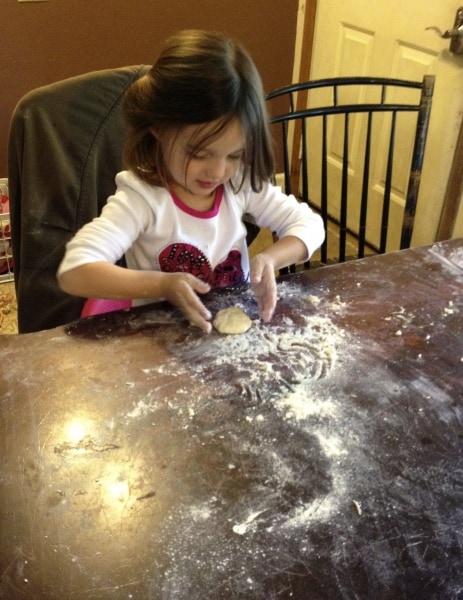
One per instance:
(181, 290)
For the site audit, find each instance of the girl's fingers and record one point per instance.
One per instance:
(263, 285)
(181, 291)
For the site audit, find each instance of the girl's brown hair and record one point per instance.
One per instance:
(198, 78)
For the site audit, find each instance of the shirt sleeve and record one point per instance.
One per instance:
(109, 236)
(285, 216)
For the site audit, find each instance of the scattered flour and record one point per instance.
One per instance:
(286, 430)
(272, 444)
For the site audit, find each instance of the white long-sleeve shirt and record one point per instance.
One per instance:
(156, 231)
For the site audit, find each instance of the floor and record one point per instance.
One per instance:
(8, 308)
(8, 323)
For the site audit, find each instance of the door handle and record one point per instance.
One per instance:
(455, 35)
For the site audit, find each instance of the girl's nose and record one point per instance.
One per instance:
(216, 168)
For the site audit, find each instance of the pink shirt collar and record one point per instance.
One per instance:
(197, 213)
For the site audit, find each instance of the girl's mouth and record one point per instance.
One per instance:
(207, 185)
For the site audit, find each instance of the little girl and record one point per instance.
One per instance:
(198, 157)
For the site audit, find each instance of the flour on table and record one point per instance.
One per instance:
(266, 407)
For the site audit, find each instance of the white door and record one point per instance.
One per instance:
(388, 38)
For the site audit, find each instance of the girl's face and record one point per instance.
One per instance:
(198, 172)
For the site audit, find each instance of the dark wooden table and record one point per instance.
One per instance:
(316, 457)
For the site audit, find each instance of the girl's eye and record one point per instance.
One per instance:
(205, 156)
(196, 155)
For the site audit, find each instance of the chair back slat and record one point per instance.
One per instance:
(324, 183)
(365, 188)
(424, 114)
(286, 156)
(344, 192)
(388, 185)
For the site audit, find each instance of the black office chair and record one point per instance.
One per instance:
(339, 129)
(64, 150)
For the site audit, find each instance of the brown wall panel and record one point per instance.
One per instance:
(50, 40)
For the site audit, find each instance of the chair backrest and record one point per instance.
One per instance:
(64, 150)
(348, 146)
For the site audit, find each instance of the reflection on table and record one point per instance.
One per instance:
(318, 456)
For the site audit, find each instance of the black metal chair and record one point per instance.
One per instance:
(65, 148)
(343, 127)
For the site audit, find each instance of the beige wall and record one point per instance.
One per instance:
(42, 42)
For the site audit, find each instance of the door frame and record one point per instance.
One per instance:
(453, 193)
(307, 13)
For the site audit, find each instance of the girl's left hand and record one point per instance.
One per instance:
(263, 285)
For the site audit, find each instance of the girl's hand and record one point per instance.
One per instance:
(263, 285)
(181, 290)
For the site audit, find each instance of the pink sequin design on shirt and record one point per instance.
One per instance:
(186, 258)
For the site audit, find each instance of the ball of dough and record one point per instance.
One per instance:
(232, 320)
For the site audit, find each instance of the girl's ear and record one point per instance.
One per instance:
(154, 132)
